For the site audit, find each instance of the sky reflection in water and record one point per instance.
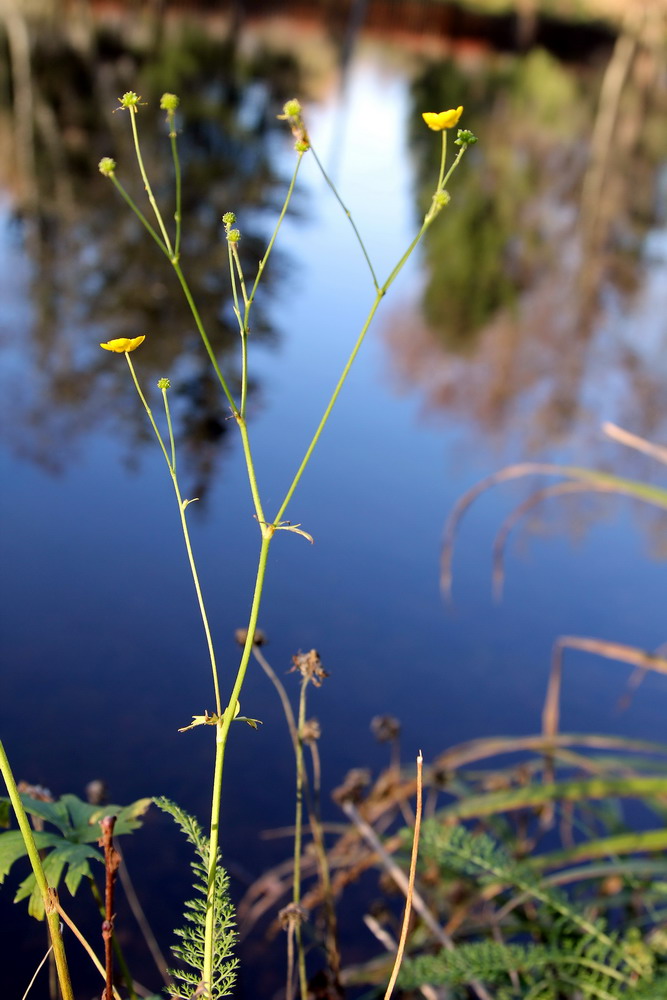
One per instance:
(103, 654)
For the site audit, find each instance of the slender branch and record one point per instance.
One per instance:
(36, 972)
(84, 944)
(149, 191)
(222, 734)
(182, 505)
(381, 292)
(411, 882)
(263, 262)
(298, 830)
(178, 214)
(127, 198)
(202, 333)
(48, 894)
(111, 862)
(338, 198)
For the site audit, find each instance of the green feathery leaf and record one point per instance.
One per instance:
(190, 950)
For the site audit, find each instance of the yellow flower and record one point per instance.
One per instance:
(443, 119)
(123, 344)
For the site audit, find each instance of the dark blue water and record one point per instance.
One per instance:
(102, 651)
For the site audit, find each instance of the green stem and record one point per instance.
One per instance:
(222, 734)
(382, 290)
(298, 830)
(263, 262)
(46, 892)
(182, 504)
(252, 476)
(327, 413)
(443, 160)
(139, 214)
(177, 178)
(338, 198)
(202, 333)
(172, 441)
(234, 269)
(144, 177)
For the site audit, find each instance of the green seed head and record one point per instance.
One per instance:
(442, 198)
(234, 235)
(163, 383)
(229, 219)
(464, 137)
(107, 166)
(302, 146)
(129, 100)
(169, 102)
(292, 109)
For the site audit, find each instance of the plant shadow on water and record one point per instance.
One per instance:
(108, 655)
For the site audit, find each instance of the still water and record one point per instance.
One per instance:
(486, 351)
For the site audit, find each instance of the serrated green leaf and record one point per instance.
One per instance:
(78, 856)
(52, 812)
(127, 818)
(81, 819)
(53, 865)
(12, 847)
(64, 854)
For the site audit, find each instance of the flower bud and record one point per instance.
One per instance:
(107, 166)
(163, 383)
(464, 137)
(169, 102)
(129, 99)
(292, 109)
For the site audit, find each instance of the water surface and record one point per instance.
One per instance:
(488, 349)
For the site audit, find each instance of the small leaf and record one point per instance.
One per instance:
(4, 812)
(200, 720)
(12, 847)
(52, 812)
(253, 723)
(81, 818)
(64, 854)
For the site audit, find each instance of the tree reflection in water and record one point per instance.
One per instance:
(93, 274)
(535, 312)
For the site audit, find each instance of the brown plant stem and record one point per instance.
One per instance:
(111, 862)
(411, 882)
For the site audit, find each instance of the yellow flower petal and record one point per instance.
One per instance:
(123, 344)
(439, 120)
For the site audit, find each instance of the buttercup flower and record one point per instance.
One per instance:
(440, 120)
(123, 344)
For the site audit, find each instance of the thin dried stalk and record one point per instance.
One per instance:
(398, 875)
(634, 441)
(411, 882)
(599, 647)
(512, 519)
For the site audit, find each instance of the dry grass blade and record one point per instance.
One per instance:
(599, 647)
(634, 441)
(592, 478)
(86, 946)
(36, 973)
(494, 746)
(411, 882)
(468, 498)
(369, 835)
(512, 519)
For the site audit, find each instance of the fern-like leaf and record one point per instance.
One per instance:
(190, 949)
